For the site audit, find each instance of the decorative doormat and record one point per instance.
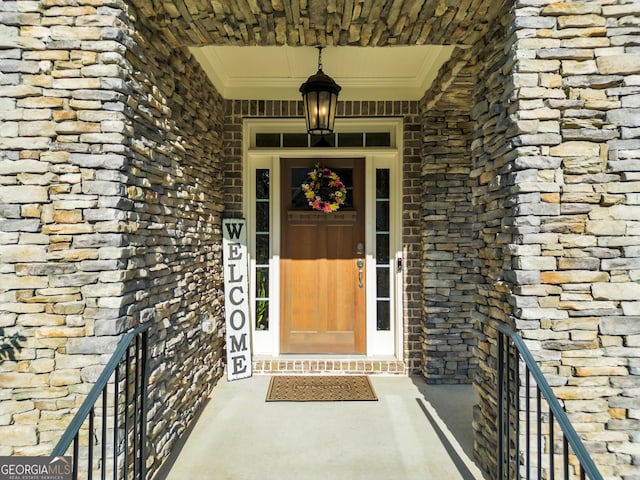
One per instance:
(320, 388)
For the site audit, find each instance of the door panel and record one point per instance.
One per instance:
(322, 300)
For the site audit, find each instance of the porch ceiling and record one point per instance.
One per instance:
(276, 73)
(422, 27)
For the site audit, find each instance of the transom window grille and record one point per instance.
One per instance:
(335, 140)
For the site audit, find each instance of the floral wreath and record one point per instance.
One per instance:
(323, 189)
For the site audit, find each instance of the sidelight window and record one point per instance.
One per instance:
(382, 238)
(262, 242)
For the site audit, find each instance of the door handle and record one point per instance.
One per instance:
(360, 264)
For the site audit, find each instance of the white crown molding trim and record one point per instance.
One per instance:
(384, 86)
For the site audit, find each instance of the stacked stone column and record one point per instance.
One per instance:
(448, 266)
(564, 249)
(63, 241)
(110, 207)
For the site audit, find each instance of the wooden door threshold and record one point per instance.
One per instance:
(328, 365)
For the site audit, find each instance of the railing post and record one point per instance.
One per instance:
(500, 412)
(517, 390)
(507, 393)
(143, 395)
(528, 423)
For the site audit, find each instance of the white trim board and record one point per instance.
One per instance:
(379, 343)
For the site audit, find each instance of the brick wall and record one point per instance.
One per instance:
(237, 110)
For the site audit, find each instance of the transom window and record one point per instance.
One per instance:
(334, 140)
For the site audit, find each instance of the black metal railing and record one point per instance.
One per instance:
(529, 446)
(107, 436)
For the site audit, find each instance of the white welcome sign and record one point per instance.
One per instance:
(236, 295)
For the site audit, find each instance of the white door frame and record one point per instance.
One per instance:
(380, 344)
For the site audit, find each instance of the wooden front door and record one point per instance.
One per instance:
(322, 263)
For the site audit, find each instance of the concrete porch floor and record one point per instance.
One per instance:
(414, 431)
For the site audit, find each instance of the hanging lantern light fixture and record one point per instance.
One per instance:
(320, 98)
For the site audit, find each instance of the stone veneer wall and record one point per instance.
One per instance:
(576, 203)
(491, 221)
(175, 189)
(467, 223)
(449, 282)
(556, 160)
(237, 110)
(110, 197)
